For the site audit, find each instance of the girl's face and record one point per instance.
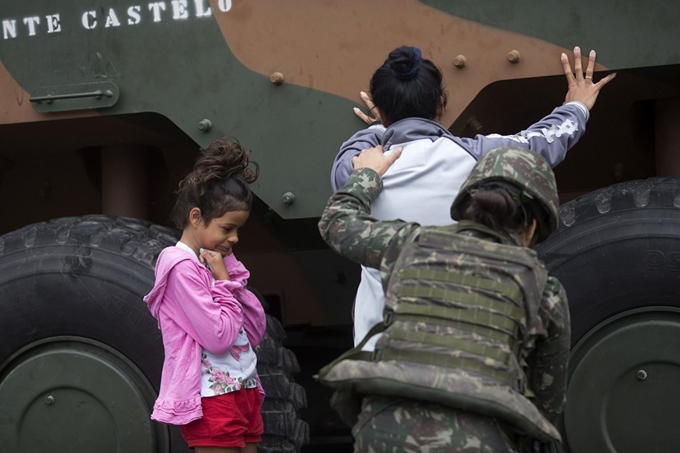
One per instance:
(221, 233)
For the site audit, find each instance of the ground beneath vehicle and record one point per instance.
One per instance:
(74, 155)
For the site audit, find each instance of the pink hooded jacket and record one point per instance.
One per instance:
(193, 313)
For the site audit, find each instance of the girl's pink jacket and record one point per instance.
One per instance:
(193, 314)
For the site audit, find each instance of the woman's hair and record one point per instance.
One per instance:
(217, 184)
(494, 207)
(407, 86)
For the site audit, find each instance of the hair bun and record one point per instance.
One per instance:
(492, 206)
(405, 62)
(222, 159)
(495, 201)
(217, 184)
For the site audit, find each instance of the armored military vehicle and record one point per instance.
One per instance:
(104, 104)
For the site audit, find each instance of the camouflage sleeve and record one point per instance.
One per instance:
(548, 364)
(348, 228)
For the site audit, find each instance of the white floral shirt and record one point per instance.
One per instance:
(233, 371)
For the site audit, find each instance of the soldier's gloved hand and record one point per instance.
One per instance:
(582, 88)
(375, 159)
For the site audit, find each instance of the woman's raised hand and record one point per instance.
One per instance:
(372, 109)
(582, 88)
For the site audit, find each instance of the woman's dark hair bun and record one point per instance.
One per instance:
(407, 86)
(405, 62)
(222, 159)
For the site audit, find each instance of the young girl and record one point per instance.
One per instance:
(210, 322)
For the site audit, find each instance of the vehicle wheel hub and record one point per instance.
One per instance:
(74, 395)
(623, 393)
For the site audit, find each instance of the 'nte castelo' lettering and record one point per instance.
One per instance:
(103, 18)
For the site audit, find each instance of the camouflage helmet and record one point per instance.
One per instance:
(527, 171)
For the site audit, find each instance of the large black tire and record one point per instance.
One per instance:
(284, 431)
(71, 314)
(617, 253)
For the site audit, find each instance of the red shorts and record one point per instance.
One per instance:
(231, 420)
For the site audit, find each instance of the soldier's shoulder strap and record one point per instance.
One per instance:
(355, 353)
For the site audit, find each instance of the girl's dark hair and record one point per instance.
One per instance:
(493, 206)
(217, 184)
(407, 86)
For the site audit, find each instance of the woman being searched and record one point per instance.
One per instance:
(407, 100)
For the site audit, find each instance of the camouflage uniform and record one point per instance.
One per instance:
(537, 369)
(392, 424)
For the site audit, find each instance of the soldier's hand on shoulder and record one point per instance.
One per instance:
(375, 159)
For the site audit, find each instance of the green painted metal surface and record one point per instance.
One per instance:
(186, 70)
(626, 34)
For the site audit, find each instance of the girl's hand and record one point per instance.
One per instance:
(215, 263)
(372, 109)
(374, 159)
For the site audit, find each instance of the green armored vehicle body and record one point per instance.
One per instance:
(104, 104)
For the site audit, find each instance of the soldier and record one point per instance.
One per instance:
(473, 356)
(409, 101)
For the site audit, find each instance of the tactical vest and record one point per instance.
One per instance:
(457, 312)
